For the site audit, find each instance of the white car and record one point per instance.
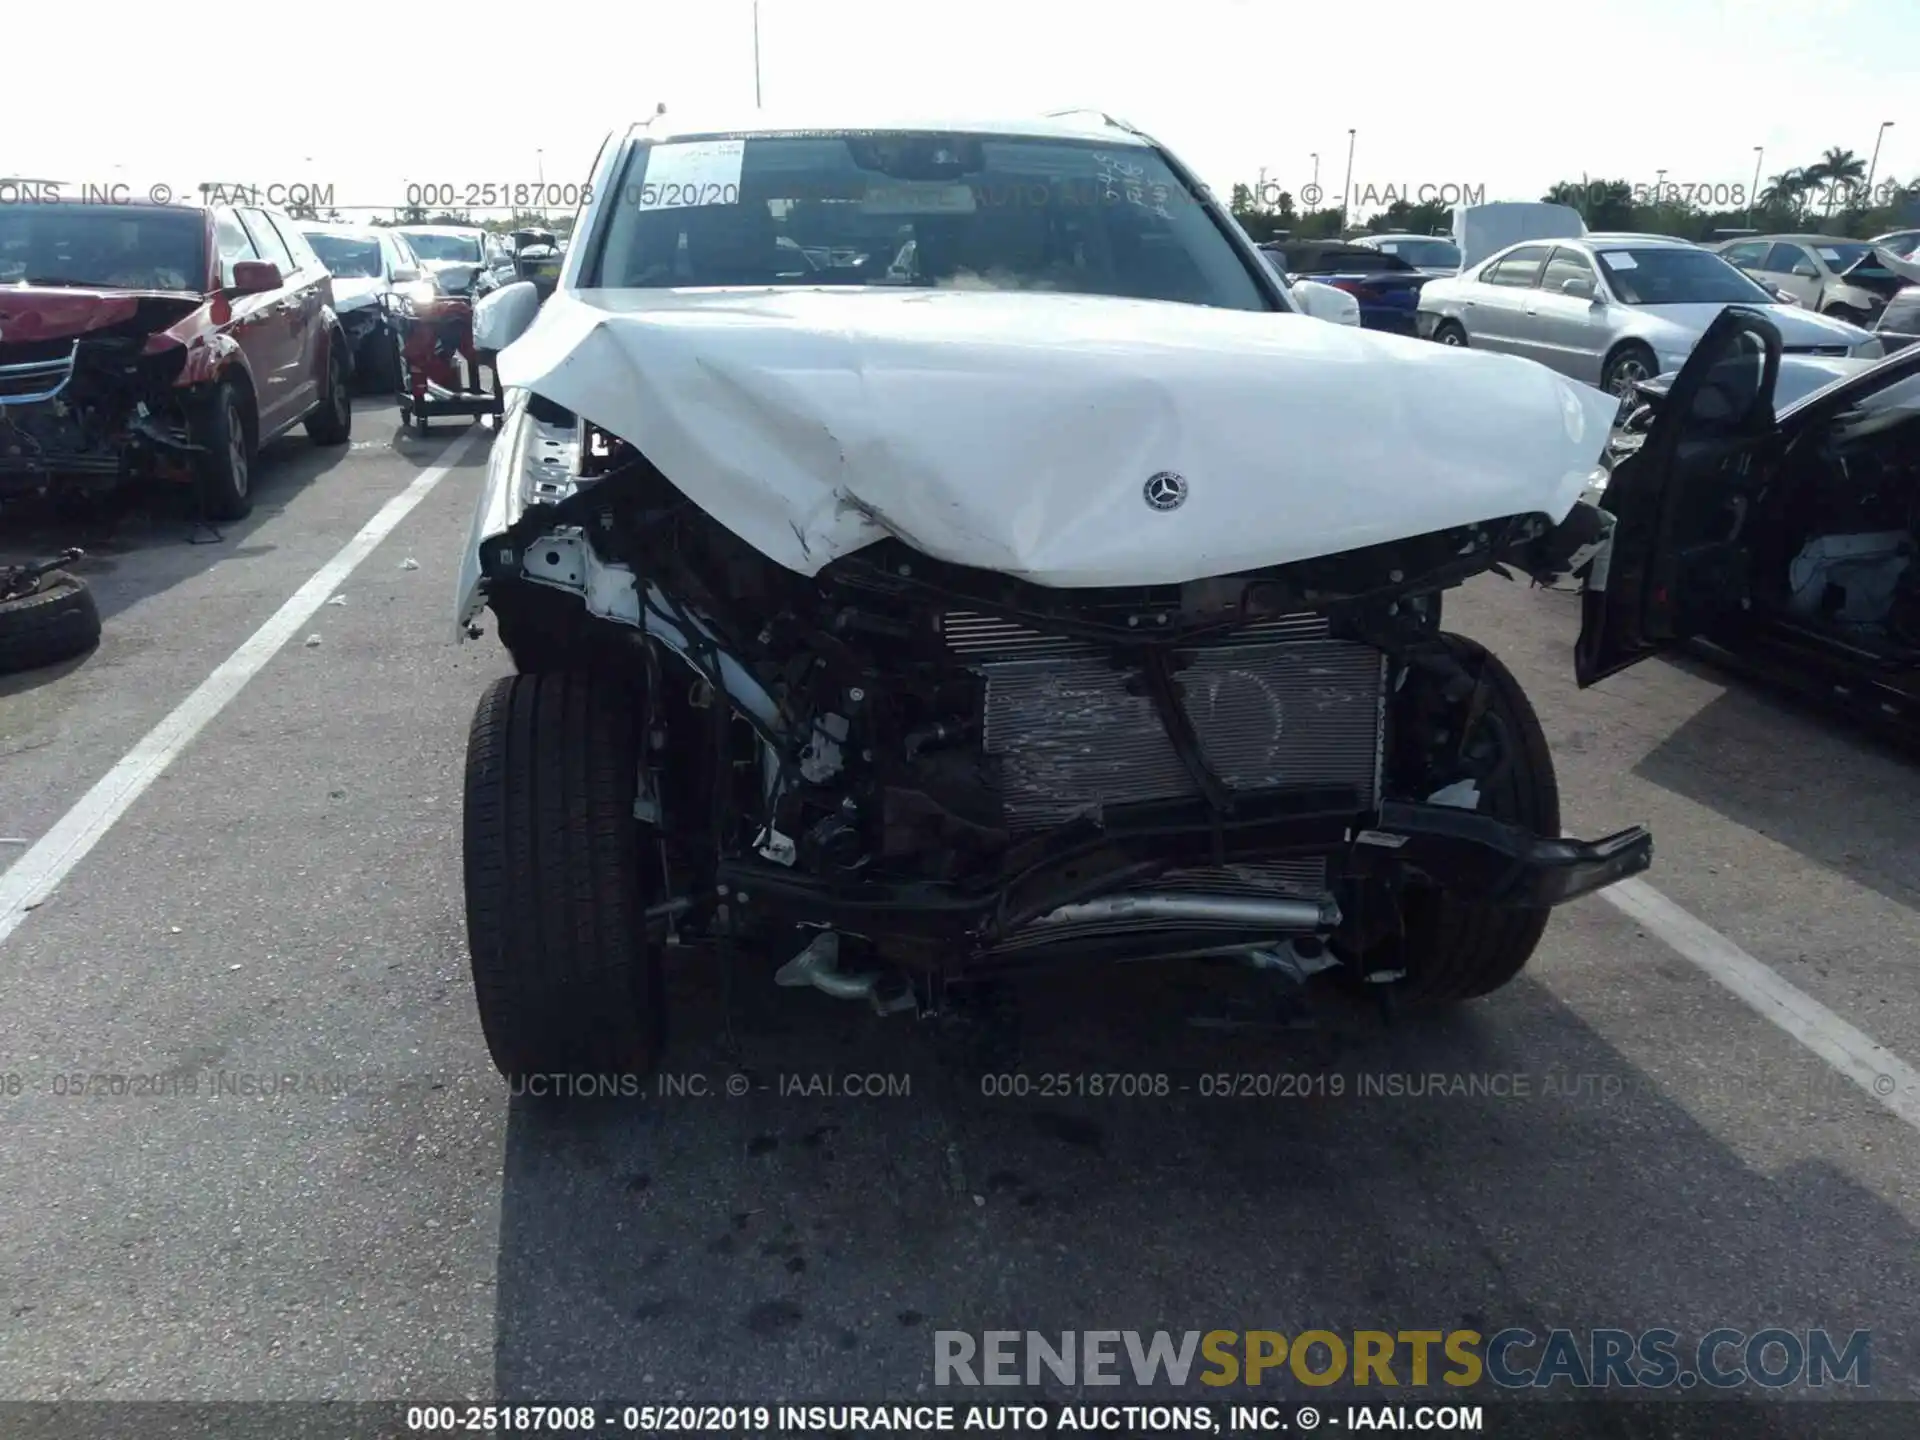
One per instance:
(1062, 595)
(367, 262)
(1612, 311)
(461, 257)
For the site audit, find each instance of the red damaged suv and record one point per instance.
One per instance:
(163, 341)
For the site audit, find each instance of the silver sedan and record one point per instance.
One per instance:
(1612, 310)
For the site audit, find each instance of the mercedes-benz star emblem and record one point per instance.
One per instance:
(1166, 491)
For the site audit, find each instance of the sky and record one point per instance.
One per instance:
(1469, 94)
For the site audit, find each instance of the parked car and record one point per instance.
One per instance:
(462, 258)
(1429, 254)
(1788, 524)
(1080, 602)
(164, 341)
(1611, 312)
(1386, 287)
(1826, 274)
(367, 262)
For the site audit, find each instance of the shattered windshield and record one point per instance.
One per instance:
(345, 257)
(1670, 275)
(918, 210)
(110, 246)
(462, 248)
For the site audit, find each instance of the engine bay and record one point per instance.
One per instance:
(938, 760)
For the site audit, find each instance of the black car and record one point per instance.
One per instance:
(1387, 287)
(1786, 540)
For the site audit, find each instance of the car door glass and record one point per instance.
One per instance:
(233, 243)
(1747, 257)
(1565, 265)
(267, 241)
(296, 244)
(1518, 270)
(1783, 260)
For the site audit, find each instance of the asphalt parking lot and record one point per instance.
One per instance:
(1677, 1145)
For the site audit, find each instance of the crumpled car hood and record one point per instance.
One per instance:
(47, 313)
(1018, 432)
(356, 291)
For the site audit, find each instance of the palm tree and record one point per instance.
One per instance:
(1786, 190)
(1840, 170)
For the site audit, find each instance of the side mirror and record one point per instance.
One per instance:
(1806, 271)
(1579, 286)
(502, 316)
(1325, 302)
(255, 277)
(404, 274)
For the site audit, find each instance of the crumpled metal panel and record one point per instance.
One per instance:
(1075, 734)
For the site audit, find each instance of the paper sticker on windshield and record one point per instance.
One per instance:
(1827, 254)
(692, 172)
(1619, 260)
(904, 197)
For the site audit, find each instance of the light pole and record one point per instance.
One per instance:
(1316, 172)
(1347, 189)
(1873, 164)
(1659, 187)
(1759, 153)
(756, 54)
(540, 179)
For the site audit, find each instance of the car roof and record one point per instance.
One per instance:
(1804, 239)
(1616, 237)
(344, 232)
(1402, 235)
(441, 229)
(1063, 125)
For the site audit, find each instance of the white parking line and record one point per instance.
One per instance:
(28, 882)
(1855, 1054)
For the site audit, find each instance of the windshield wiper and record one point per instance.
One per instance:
(58, 280)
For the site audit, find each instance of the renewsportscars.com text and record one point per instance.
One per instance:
(1512, 1358)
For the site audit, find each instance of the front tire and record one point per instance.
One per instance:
(556, 881)
(225, 478)
(1456, 950)
(1451, 332)
(331, 422)
(1625, 368)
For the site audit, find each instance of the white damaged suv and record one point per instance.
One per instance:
(1063, 593)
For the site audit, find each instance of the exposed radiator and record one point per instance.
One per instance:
(1304, 876)
(1072, 735)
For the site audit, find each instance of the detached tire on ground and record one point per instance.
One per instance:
(1458, 951)
(566, 981)
(55, 621)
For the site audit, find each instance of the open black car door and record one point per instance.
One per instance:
(1680, 556)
